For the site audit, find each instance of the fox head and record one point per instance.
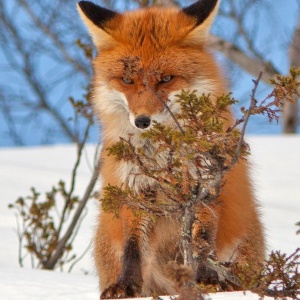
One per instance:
(146, 57)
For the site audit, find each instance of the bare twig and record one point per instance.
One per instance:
(20, 234)
(63, 241)
(54, 38)
(28, 70)
(73, 177)
(245, 120)
(80, 257)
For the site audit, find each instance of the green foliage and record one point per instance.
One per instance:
(143, 203)
(114, 199)
(287, 87)
(182, 162)
(277, 277)
(204, 114)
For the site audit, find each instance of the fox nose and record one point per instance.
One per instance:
(142, 122)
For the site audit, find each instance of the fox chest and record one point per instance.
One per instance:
(130, 175)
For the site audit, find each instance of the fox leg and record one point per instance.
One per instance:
(129, 281)
(240, 236)
(251, 250)
(119, 256)
(231, 227)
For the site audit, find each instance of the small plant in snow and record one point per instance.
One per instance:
(48, 224)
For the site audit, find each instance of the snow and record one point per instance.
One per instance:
(276, 175)
(28, 284)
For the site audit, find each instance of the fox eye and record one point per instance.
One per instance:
(127, 80)
(166, 78)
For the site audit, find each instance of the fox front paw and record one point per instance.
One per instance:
(118, 291)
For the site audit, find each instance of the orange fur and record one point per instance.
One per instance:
(166, 42)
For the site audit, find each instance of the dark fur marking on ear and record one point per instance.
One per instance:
(200, 10)
(97, 14)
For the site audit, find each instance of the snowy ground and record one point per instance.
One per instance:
(276, 173)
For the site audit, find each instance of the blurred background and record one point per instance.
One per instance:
(45, 63)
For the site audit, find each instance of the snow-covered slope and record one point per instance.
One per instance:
(276, 173)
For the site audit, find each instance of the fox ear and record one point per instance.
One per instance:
(203, 12)
(95, 18)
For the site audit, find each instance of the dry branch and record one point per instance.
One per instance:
(290, 110)
(239, 57)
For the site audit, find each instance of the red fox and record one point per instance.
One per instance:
(171, 46)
